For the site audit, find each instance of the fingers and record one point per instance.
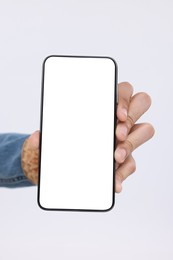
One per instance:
(125, 91)
(139, 104)
(140, 133)
(127, 168)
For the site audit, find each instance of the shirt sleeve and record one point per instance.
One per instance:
(11, 173)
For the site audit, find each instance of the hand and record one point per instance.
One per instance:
(129, 135)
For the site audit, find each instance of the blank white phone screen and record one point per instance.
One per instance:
(77, 133)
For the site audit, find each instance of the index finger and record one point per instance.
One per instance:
(125, 91)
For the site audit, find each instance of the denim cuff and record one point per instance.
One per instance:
(11, 173)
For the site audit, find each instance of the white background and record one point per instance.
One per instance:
(138, 35)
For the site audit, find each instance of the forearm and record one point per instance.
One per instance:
(11, 172)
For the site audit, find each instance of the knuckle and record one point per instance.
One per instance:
(129, 145)
(130, 122)
(119, 176)
(124, 102)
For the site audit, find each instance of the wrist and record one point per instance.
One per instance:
(29, 158)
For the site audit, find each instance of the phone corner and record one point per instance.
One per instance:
(46, 58)
(114, 61)
(111, 207)
(39, 203)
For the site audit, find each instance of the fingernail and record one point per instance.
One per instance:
(120, 154)
(123, 130)
(124, 111)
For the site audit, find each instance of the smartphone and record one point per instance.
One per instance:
(77, 133)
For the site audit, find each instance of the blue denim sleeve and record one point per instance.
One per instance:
(11, 173)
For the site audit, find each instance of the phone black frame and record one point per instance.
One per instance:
(114, 137)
